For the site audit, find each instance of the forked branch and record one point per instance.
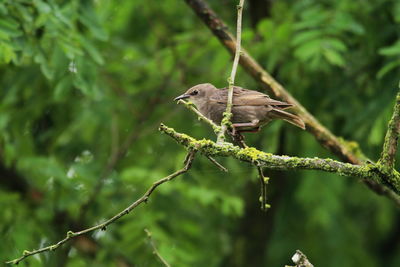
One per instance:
(370, 172)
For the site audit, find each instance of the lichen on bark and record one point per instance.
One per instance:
(369, 171)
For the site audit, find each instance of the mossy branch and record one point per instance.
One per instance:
(390, 144)
(256, 157)
(227, 116)
(189, 105)
(70, 235)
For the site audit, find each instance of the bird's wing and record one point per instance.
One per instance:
(244, 97)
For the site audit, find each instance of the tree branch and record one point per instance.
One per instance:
(347, 151)
(188, 163)
(226, 121)
(263, 185)
(216, 163)
(390, 144)
(190, 106)
(369, 172)
(155, 250)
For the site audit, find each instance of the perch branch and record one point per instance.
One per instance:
(188, 163)
(155, 250)
(226, 121)
(190, 106)
(390, 144)
(347, 151)
(258, 158)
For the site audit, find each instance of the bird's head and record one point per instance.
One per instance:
(198, 93)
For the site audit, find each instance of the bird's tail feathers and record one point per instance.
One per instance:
(293, 119)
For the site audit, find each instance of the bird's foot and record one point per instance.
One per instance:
(237, 137)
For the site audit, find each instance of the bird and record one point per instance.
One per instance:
(251, 109)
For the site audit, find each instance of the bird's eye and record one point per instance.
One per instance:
(195, 92)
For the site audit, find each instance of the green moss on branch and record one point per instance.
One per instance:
(390, 144)
(189, 105)
(271, 161)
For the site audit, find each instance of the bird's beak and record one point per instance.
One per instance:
(181, 97)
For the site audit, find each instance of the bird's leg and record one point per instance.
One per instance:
(239, 138)
(252, 126)
(235, 134)
(254, 130)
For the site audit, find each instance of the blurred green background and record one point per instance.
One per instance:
(85, 84)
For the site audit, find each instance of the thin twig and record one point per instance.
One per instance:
(155, 250)
(222, 168)
(390, 144)
(188, 163)
(263, 185)
(190, 106)
(226, 121)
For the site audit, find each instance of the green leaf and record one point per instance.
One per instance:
(265, 26)
(334, 57)
(306, 36)
(44, 66)
(62, 87)
(387, 68)
(10, 27)
(392, 50)
(7, 53)
(312, 18)
(308, 50)
(92, 51)
(43, 7)
(3, 9)
(90, 20)
(396, 12)
(335, 43)
(344, 21)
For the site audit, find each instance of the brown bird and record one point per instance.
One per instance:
(251, 109)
